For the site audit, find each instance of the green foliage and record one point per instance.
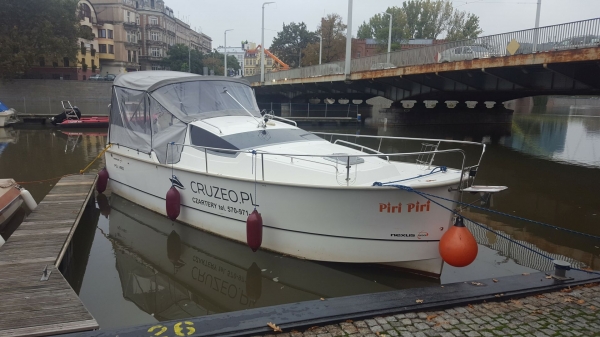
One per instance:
(84, 66)
(290, 41)
(463, 26)
(333, 31)
(94, 67)
(421, 19)
(31, 29)
(177, 59)
(86, 33)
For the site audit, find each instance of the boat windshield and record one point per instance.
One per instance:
(250, 139)
(206, 99)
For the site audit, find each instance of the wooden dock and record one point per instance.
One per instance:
(29, 306)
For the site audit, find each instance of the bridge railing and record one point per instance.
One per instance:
(572, 35)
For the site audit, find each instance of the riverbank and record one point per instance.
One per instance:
(567, 312)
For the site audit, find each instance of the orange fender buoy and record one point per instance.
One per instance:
(458, 247)
(254, 229)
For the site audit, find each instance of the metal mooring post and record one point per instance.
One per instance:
(560, 270)
(46, 274)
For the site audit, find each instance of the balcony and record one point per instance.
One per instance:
(130, 25)
(154, 26)
(132, 45)
(155, 43)
(150, 58)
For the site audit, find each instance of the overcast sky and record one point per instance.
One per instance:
(244, 16)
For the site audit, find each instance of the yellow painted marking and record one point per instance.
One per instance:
(162, 330)
(179, 330)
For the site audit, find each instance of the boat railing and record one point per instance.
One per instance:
(427, 156)
(344, 158)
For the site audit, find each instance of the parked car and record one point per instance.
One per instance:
(578, 42)
(464, 53)
(97, 77)
(110, 77)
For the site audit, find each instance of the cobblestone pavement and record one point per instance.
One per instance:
(570, 312)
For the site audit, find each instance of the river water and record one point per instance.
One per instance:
(132, 266)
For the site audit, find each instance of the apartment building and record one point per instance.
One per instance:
(87, 61)
(143, 31)
(239, 53)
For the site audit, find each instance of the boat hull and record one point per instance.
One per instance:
(337, 224)
(85, 122)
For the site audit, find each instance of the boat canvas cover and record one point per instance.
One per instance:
(150, 109)
(3, 107)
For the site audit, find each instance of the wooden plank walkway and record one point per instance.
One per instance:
(29, 306)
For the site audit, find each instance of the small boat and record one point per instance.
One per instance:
(71, 118)
(7, 116)
(12, 196)
(200, 146)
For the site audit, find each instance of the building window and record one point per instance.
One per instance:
(131, 37)
(154, 36)
(102, 33)
(86, 12)
(42, 62)
(134, 56)
(137, 20)
(128, 16)
(153, 20)
(154, 52)
(111, 49)
(66, 61)
(155, 67)
(152, 3)
(129, 56)
(93, 65)
(102, 48)
(82, 60)
(110, 34)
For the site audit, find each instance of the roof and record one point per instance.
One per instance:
(154, 79)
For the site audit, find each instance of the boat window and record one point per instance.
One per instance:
(206, 99)
(251, 139)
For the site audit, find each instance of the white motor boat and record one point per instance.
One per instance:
(12, 196)
(7, 116)
(206, 136)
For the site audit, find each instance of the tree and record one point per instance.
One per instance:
(233, 63)
(178, 57)
(290, 41)
(32, 30)
(333, 31)
(463, 26)
(421, 19)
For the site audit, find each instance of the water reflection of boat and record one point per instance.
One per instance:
(74, 138)
(173, 270)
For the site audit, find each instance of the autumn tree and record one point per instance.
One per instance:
(421, 19)
(31, 30)
(333, 32)
(290, 41)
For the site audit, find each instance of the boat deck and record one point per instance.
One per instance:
(30, 306)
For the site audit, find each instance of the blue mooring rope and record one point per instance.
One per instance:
(427, 196)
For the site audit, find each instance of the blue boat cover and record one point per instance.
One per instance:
(3, 107)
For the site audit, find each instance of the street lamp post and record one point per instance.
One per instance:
(190, 56)
(389, 37)
(225, 51)
(320, 47)
(537, 25)
(262, 43)
(348, 42)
